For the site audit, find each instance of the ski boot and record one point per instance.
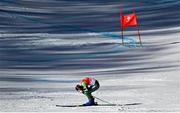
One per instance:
(90, 102)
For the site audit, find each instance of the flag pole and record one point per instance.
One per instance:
(140, 42)
(121, 17)
(122, 34)
(137, 27)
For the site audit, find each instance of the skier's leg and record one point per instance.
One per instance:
(90, 99)
(89, 95)
(95, 87)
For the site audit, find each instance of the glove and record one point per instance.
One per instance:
(79, 88)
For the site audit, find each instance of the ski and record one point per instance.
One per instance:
(69, 105)
(84, 105)
(98, 105)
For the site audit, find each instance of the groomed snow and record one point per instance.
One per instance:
(156, 89)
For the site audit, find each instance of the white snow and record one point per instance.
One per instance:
(156, 91)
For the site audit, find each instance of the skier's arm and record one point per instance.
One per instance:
(84, 84)
(85, 88)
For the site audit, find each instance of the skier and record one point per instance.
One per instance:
(87, 86)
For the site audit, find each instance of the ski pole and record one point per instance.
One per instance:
(102, 100)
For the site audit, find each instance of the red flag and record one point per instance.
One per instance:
(128, 20)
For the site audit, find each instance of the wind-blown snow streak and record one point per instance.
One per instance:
(58, 16)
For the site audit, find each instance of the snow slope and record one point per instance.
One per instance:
(148, 76)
